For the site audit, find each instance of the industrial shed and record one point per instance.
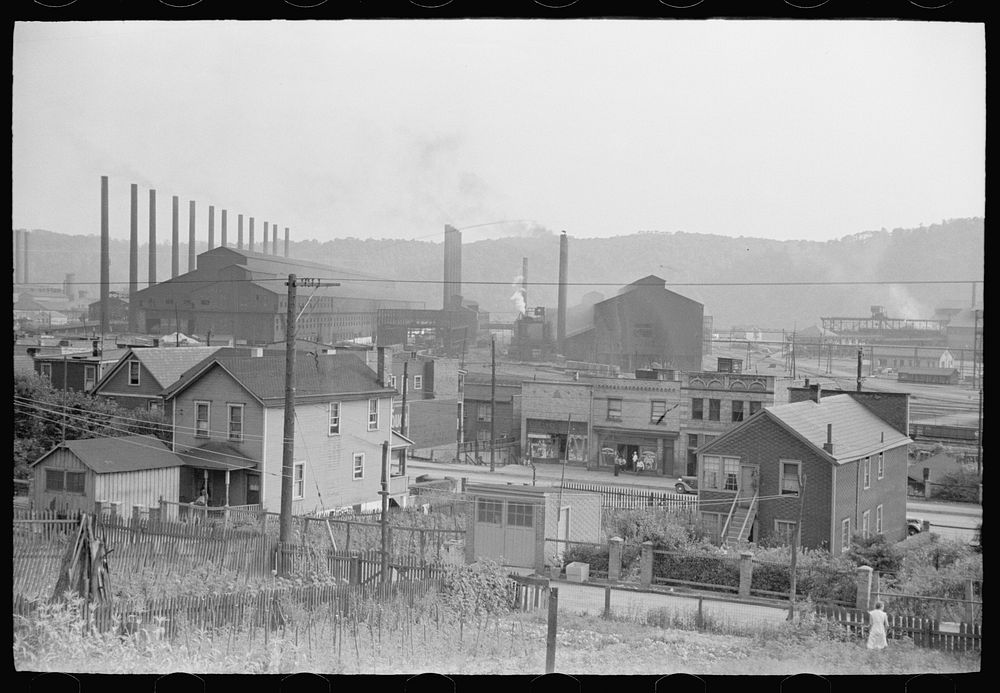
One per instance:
(510, 524)
(131, 470)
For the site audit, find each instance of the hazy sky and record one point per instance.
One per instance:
(777, 129)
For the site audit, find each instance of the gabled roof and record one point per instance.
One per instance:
(216, 455)
(124, 454)
(166, 365)
(316, 375)
(856, 430)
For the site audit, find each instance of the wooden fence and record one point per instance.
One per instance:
(530, 593)
(627, 498)
(925, 632)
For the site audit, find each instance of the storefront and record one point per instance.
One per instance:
(555, 441)
(640, 451)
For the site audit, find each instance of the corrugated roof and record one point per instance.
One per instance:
(856, 431)
(124, 454)
(168, 365)
(216, 455)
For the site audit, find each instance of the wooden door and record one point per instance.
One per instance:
(519, 533)
(489, 537)
(748, 483)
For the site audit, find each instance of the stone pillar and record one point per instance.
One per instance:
(863, 581)
(137, 512)
(746, 572)
(99, 507)
(646, 565)
(154, 514)
(615, 558)
(116, 508)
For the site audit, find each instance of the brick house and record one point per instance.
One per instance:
(78, 371)
(504, 415)
(228, 421)
(854, 462)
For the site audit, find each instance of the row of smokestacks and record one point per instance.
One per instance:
(21, 256)
(21, 244)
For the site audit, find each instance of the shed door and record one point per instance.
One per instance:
(489, 537)
(519, 534)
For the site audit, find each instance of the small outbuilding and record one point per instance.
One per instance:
(527, 526)
(930, 376)
(130, 470)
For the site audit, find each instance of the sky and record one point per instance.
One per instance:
(786, 130)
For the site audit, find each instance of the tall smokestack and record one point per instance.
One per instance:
(973, 305)
(191, 236)
(264, 242)
(152, 238)
(524, 282)
(105, 255)
(26, 257)
(175, 253)
(211, 226)
(223, 243)
(250, 244)
(286, 241)
(452, 265)
(239, 231)
(68, 287)
(563, 278)
(274, 238)
(133, 257)
(18, 279)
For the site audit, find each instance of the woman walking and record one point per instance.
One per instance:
(877, 627)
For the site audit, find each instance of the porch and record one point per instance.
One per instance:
(223, 472)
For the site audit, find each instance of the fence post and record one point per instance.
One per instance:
(115, 508)
(607, 602)
(354, 570)
(746, 572)
(136, 514)
(927, 483)
(646, 565)
(970, 595)
(98, 507)
(925, 526)
(154, 515)
(615, 558)
(550, 637)
(863, 581)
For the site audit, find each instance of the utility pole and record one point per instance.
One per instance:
(288, 448)
(384, 520)
(795, 546)
(859, 368)
(493, 399)
(402, 418)
(65, 402)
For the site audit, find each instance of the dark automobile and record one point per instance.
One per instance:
(687, 484)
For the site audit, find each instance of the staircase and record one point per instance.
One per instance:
(739, 522)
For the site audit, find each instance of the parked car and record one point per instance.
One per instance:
(914, 525)
(687, 484)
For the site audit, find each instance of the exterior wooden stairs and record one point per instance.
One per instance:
(739, 522)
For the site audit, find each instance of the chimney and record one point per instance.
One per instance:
(452, 265)
(105, 255)
(828, 445)
(133, 258)
(26, 255)
(816, 393)
(211, 226)
(174, 255)
(274, 238)
(68, 287)
(223, 241)
(264, 242)
(524, 283)
(380, 369)
(191, 241)
(95, 349)
(17, 256)
(561, 309)
(152, 238)
(250, 242)
(239, 231)
(286, 241)
(256, 352)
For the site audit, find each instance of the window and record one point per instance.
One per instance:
(692, 440)
(235, 422)
(298, 480)
(520, 515)
(867, 472)
(372, 414)
(489, 511)
(784, 531)
(881, 465)
(714, 407)
(790, 477)
(484, 412)
(483, 435)
(133, 372)
(711, 465)
(614, 409)
(845, 534)
(721, 473)
(754, 408)
(737, 410)
(731, 468)
(201, 410)
(90, 378)
(878, 519)
(61, 480)
(359, 465)
(334, 418)
(418, 382)
(45, 370)
(865, 518)
(657, 411)
(392, 381)
(698, 409)
(154, 405)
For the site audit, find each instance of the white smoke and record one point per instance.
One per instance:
(902, 305)
(518, 296)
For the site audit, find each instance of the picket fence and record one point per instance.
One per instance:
(627, 498)
(925, 632)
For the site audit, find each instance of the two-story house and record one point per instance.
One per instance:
(228, 421)
(831, 460)
(79, 371)
(492, 410)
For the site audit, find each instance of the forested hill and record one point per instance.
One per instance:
(951, 250)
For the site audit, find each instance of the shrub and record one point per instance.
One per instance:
(874, 551)
(667, 529)
(483, 587)
(596, 556)
(961, 486)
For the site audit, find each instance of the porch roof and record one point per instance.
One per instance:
(216, 455)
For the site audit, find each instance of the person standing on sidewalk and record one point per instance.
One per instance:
(877, 627)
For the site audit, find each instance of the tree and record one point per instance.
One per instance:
(45, 416)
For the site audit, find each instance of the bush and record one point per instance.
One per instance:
(962, 486)
(480, 588)
(667, 530)
(596, 556)
(874, 551)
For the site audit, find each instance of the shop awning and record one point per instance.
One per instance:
(640, 432)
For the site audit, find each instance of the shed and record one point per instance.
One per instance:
(519, 526)
(130, 470)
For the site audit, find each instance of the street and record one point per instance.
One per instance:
(956, 521)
